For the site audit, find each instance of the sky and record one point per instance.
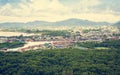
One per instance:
(56, 10)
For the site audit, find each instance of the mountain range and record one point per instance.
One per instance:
(117, 24)
(68, 22)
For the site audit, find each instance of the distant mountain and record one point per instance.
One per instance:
(80, 22)
(20, 24)
(117, 24)
(38, 23)
(68, 22)
(11, 24)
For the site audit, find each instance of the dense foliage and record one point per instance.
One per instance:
(11, 45)
(110, 43)
(64, 61)
(106, 43)
(47, 32)
(61, 62)
(56, 33)
(88, 30)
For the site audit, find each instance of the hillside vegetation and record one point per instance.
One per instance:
(63, 61)
(11, 45)
(106, 43)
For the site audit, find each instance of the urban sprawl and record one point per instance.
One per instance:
(65, 38)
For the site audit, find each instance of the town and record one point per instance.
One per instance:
(55, 39)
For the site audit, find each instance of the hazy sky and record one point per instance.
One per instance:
(55, 10)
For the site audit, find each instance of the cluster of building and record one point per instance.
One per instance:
(47, 45)
(48, 41)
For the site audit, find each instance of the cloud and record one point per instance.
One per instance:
(35, 9)
(6, 10)
(55, 10)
